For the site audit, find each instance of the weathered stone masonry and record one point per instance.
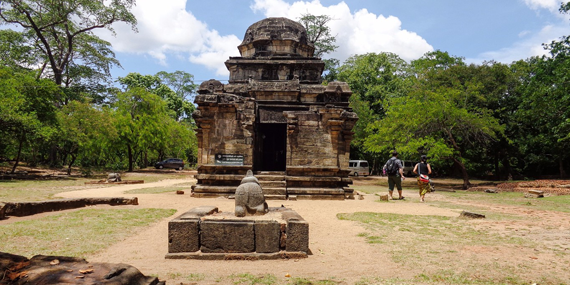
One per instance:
(275, 114)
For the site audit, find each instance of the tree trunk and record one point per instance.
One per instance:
(19, 153)
(508, 168)
(53, 155)
(561, 168)
(130, 153)
(497, 169)
(73, 158)
(465, 176)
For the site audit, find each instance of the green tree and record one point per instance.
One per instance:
(140, 118)
(26, 111)
(374, 79)
(85, 131)
(159, 84)
(435, 122)
(319, 34)
(62, 31)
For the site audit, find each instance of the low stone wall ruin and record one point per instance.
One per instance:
(20, 209)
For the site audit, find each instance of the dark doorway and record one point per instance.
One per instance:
(271, 147)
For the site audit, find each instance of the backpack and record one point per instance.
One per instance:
(391, 167)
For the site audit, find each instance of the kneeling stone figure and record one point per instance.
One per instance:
(249, 197)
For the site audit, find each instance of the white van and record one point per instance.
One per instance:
(408, 167)
(358, 167)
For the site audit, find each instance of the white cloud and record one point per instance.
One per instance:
(551, 5)
(531, 46)
(168, 29)
(357, 33)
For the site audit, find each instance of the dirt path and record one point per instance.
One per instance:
(337, 251)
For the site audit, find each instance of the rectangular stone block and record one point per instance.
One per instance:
(183, 236)
(227, 236)
(297, 236)
(267, 236)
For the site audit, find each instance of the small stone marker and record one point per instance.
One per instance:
(471, 215)
(179, 192)
(532, 193)
(384, 197)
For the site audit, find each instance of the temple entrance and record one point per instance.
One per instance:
(271, 147)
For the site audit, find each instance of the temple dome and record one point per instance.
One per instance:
(276, 37)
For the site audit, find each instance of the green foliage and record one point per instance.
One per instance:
(27, 114)
(176, 88)
(62, 32)
(376, 78)
(319, 33)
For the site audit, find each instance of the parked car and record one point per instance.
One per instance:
(358, 167)
(175, 163)
(408, 167)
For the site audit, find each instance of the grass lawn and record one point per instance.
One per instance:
(40, 190)
(76, 233)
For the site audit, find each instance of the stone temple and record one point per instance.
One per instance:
(276, 118)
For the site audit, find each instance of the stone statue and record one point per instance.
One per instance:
(249, 197)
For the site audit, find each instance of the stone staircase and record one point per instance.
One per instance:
(273, 184)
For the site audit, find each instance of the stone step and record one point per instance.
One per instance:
(318, 179)
(275, 197)
(215, 189)
(316, 191)
(272, 184)
(270, 177)
(219, 177)
(210, 195)
(319, 197)
(279, 191)
(270, 173)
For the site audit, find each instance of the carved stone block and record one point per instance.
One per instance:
(183, 236)
(226, 237)
(267, 236)
(297, 236)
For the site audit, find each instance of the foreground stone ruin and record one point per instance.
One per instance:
(40, 269)
(20, 209)
(274, 116)
(206, 233)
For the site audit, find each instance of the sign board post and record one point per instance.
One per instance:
(229, 159)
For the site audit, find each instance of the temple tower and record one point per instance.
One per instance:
(275, 117)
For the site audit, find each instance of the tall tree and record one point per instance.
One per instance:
(319, 34)
(62, 30)
(26, 112)
(140, 118)
(177, 101)
(85, 131)
(435, 122)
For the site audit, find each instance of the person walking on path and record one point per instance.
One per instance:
(395, 171)
(423, 169)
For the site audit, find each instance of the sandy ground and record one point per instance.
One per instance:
(336, 249)
(338, 253)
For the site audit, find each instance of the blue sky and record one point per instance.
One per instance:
(197, 36)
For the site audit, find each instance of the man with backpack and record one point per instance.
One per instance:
(395, 171)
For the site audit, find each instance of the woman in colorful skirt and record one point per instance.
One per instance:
(423, 170)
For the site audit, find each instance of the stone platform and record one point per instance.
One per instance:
(206, 233)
